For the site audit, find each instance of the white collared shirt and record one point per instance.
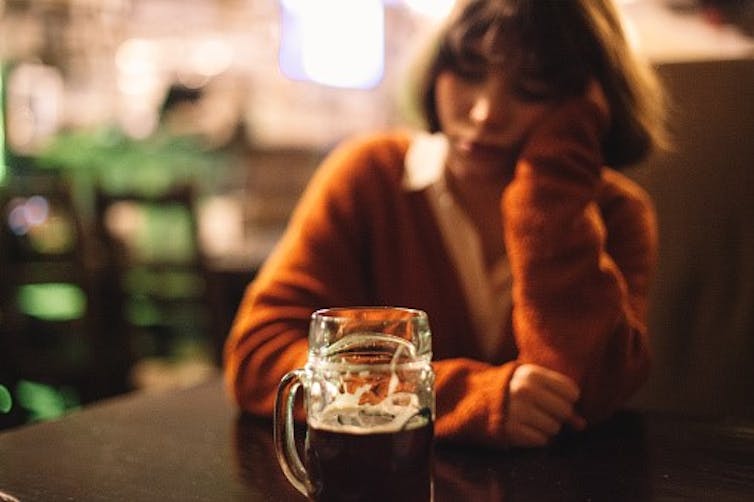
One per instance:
(488, 293)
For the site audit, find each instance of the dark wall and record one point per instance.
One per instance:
(702, 314)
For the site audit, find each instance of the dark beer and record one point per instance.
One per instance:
(382, 466)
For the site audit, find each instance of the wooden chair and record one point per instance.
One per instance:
(163, 289)
(53, 323)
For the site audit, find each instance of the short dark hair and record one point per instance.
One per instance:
(563, 43)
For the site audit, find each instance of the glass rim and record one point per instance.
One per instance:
(324, 365)
(331, 313)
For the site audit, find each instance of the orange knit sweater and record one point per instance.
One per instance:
(581, 240)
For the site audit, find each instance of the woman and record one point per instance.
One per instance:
(532, 259)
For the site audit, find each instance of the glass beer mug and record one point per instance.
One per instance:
(369, 403)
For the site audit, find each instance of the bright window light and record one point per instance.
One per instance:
(333, 42)
(433, 9)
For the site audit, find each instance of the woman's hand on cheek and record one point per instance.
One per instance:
(540, 401)
(568, 122)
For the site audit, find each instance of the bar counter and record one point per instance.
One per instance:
(193, 444)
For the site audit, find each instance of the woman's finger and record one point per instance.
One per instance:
(530, 414)
(556, 382)
(577, 422)
(526, 436)
(553, 405)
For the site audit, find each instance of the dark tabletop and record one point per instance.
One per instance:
(193, 445)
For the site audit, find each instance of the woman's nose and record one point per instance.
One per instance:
(480, 109)
(489, 109)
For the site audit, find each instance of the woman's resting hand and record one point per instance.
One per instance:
(540, 401)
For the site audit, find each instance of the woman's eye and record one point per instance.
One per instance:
(534, 91)
(471, 67)
(471, 74)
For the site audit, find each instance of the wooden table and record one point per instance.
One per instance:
(193, 445)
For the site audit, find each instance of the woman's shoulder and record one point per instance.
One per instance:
(361, 166)
(398, 138)
(370, 154)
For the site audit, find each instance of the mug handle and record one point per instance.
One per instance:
(285, 442)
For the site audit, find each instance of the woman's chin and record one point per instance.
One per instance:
(484, 164)
(484, 170)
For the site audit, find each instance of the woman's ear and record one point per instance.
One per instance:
(596, 95)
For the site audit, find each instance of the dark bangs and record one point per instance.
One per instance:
(536, 43)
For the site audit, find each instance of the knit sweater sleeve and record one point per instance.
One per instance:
(579, 294)
(471, 401)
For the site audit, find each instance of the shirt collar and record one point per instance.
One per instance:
(425, 161)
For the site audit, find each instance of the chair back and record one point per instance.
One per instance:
(163, 282)
(53, 323)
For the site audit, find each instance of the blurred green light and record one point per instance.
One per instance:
(6, 401)
(52, 301)
(43, 401)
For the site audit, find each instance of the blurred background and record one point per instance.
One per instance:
(151, 152)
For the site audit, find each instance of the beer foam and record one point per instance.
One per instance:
(397, 412)
(347, 414)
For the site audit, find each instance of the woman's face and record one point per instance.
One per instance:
(487, 119)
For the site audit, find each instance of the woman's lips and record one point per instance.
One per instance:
(484, 161)
(484, 150)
